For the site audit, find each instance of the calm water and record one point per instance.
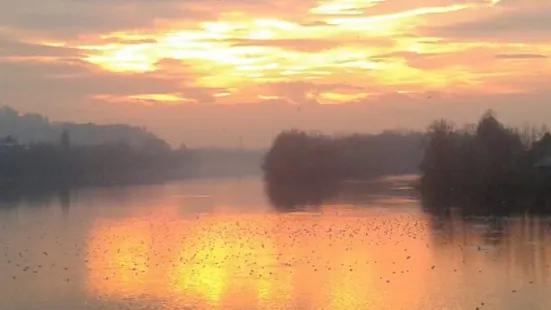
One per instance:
(220, 245)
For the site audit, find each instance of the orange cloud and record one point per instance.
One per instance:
(239, 51)
(168, 54)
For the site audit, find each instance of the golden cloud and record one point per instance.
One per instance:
(237, 49)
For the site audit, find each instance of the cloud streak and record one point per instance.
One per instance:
(169, 53)
(521, 56)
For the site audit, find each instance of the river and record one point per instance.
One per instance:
(221, 244)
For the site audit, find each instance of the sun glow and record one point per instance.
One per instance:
(369, 44)
(265, 260)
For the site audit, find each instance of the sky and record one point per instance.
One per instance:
(235, 73)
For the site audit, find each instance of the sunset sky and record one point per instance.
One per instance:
(237, 72)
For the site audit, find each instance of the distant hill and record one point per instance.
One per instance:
(35, 128)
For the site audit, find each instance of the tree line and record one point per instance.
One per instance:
(486, 168)
(305, 169)
(64, 162)
(108, 163)
(297, 156)
(33, 128)
(39, 152)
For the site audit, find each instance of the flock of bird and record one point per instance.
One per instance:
(338, 259)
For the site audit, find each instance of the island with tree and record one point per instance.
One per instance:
(486, 168)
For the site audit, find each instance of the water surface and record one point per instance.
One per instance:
(219, 244)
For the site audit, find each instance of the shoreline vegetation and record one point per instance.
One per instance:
(303, 170)
(37, 154)
(300, 157)
(64, 165)
(487, 169)
(482, 169)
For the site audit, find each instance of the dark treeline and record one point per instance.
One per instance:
(301, 157)
(487, 169)
(151, 161)
(306, 169)
(37, 154)
(483, 169)
(34, 128)
(43, 164)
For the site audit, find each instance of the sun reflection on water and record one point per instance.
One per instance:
(268, 260)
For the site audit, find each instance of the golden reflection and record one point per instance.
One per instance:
(340, 258)
(125, 248)
(270, 260)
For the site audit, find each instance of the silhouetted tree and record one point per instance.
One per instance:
(440, 156)
(99, 164)
(299, 157)
(302, 157)
(35, 128)
(486, 170)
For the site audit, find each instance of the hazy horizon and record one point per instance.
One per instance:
(227, 74)
(247, 136)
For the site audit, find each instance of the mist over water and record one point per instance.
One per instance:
(232, 244)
